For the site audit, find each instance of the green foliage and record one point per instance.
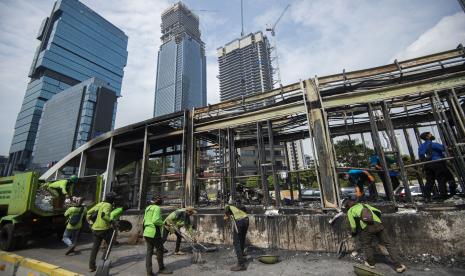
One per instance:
(253, 182)
(349, 153)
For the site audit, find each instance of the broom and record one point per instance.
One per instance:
(196, 253)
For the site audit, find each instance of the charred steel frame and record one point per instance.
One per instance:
(399, 96)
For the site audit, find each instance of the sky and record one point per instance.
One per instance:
(314, 37)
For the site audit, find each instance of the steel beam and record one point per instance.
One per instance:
(109, 176)
(376, 95)
(264, 114)
(82, 164)
(189, 195)
(318, 129)
(394, 144)
(277, 189)
(261, 164)
(392, 67)
(144, 172)
(379, 151)
(231, 163)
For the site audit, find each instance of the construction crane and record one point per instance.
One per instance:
(272, 29)
(275, 49)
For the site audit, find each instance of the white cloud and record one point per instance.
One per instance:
(329, 36)
(213, 83)
(446, 35)
(140, 20)
(314, 37)
(17, 46)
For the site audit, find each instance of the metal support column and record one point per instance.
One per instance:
(450, 138)
(261, 165)
(288, 168)
(277, 189)
(144, 172)
(395, 146)
(379, 150)
(324, 155)
(189, 195)
(109, 176)
(231, 163)
(298, 173)
(82, 164)
(412, 155)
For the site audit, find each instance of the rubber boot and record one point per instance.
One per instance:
(161, 266)
(239, 267)
(400, 268)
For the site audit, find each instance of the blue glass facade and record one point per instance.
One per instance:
(181, 68)
(61, 130)
(75, 44)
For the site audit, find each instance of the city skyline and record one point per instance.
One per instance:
(75, 44)
(334, 31)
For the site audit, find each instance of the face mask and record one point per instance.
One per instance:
(432, 138)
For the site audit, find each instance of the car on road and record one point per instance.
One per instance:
(311, 194)
(415, 191)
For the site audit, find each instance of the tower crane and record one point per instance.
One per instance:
(274, 49)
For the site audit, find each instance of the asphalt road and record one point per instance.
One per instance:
(130, 260)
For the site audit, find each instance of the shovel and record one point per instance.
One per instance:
(342, 248)
(103, 268)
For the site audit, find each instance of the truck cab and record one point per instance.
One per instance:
(27, 209)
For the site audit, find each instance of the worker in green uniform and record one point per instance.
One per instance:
(74, 216)
(240, 225)
(99, 218)
(62, 187)
(368, 220)
(174, 221)
(153, 225)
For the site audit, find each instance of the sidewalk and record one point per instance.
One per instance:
(130, 260)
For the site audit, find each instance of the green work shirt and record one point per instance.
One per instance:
(237, 213)
(179, 218)
(70, 212)
(60, 185)
(116, 213)
(103, 216)
(356, 212)
(152, 218)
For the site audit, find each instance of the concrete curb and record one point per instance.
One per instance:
(15, 265)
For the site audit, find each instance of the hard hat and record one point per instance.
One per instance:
(191, 209)
(73, 178)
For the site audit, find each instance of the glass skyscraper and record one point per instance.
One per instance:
(181, 69)
(75, 44)
(71, 118)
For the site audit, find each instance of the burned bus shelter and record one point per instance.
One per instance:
(213, 154)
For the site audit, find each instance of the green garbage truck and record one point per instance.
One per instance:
(28, 210)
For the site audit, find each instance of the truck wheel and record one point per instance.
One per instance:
(7, 240)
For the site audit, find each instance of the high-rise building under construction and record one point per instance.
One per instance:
(245, 67)
(181, 69)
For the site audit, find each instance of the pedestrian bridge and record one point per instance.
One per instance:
(207, 145)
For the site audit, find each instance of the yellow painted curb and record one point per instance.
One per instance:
(33, 267)
(9, 257)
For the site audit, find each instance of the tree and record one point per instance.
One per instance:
(349, 153)
(253, 182)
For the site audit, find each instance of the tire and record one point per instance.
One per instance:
(7, 239)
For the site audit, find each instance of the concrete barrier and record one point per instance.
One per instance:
(438, 233)
(15, 265)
